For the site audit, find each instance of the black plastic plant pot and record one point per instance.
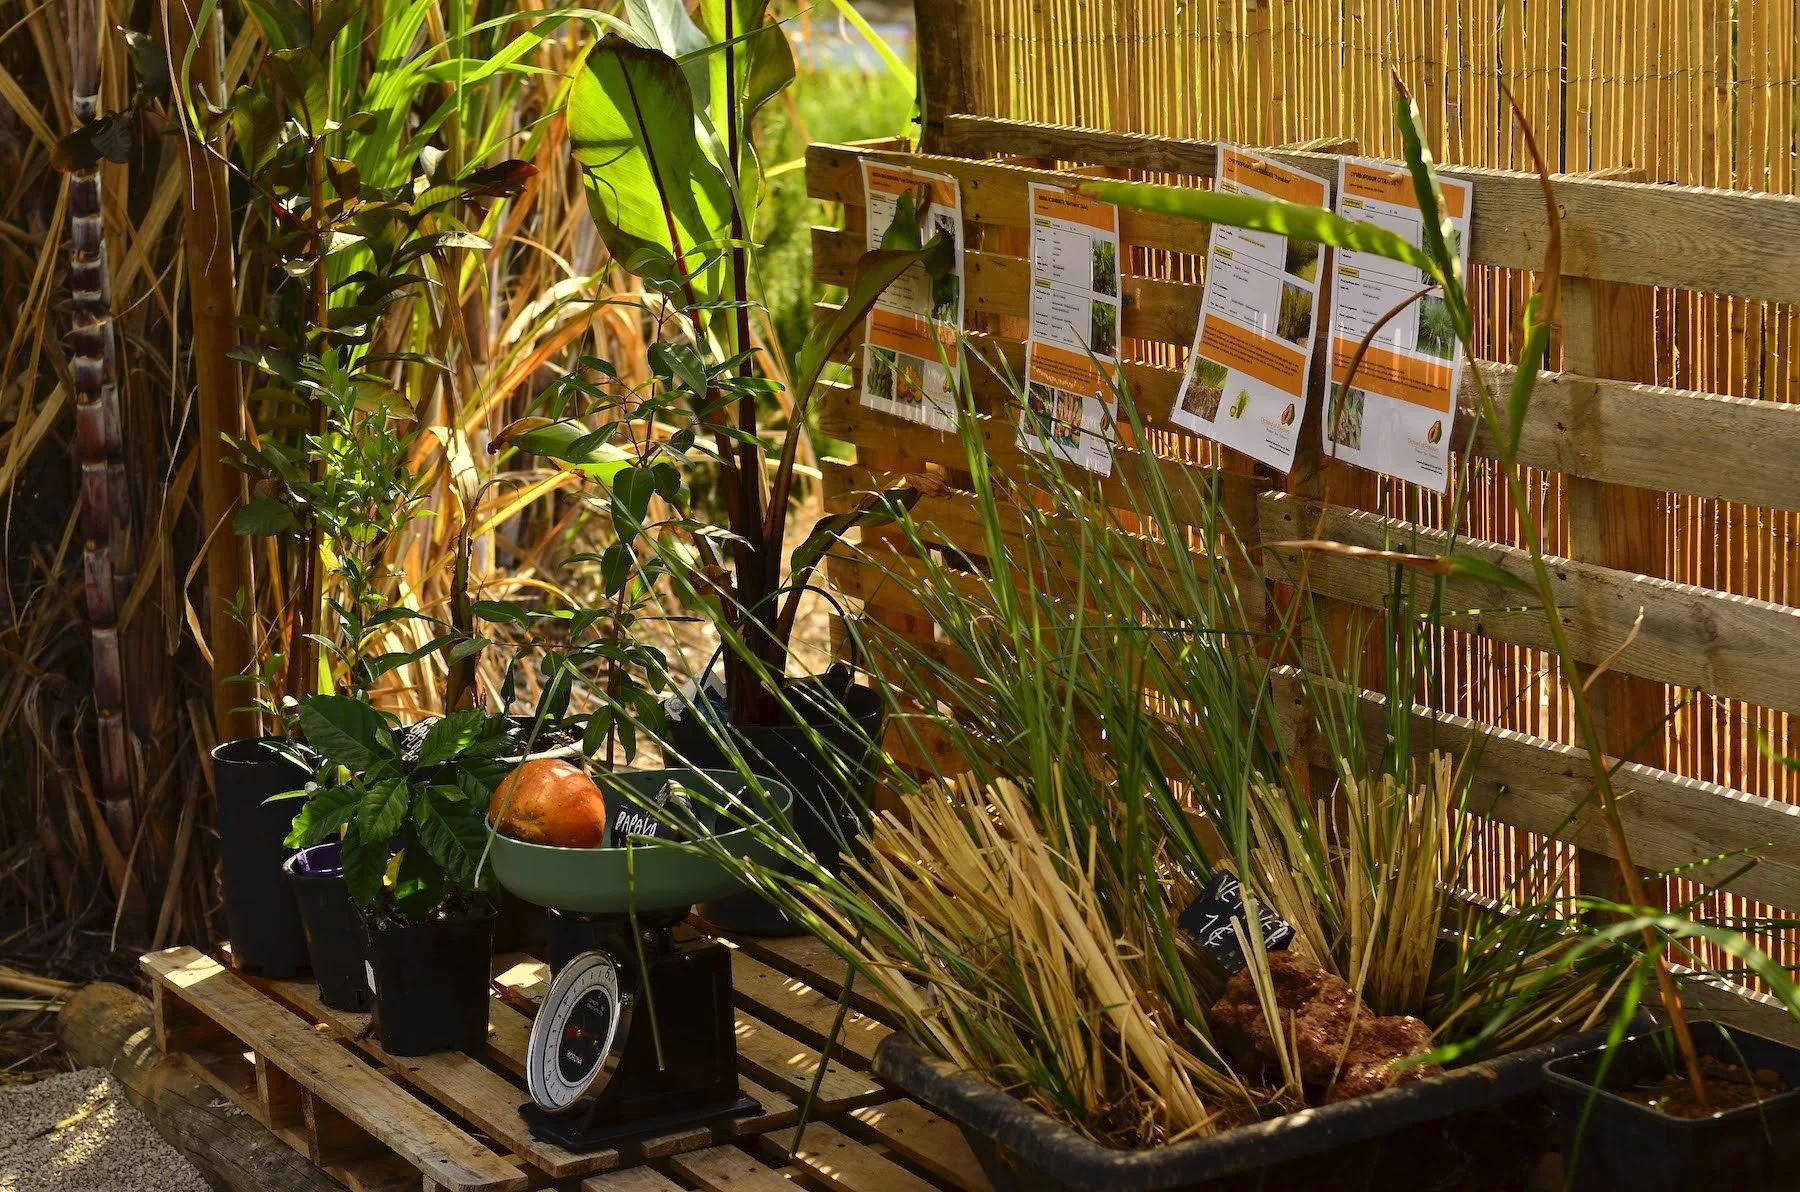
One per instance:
(828, 811)
(334, 928)
(431, 984)
(1480, 1128)
(1623, 1144)
(261, 914)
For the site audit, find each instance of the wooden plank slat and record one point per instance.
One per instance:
(787, 1065)
(816, 964)
(632, 1179)
(927, 1141)
(1615, 431)
(841, 1163)
(1742, 243)
(473, 1091)
(1691, 637)
(1546, 787)
(790, 1003)
(332, 1075)
(728, 1169)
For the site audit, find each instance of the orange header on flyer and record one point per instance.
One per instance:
(1076, 208)
(889, 329)
(1276, 181)
(892, 180)
(1392, 374)
(1073, 371)
(1391, 184)
(1271, 361)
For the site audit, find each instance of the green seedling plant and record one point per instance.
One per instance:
(662, 120)
(372, 792)
(368, 228)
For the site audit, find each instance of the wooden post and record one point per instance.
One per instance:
(1609, 331)
(945, 72)
(206, 225)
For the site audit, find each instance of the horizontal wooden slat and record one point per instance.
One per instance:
(840, 1163)
(1741, 243)
(1616, 432)
(1192, 487)
(928, 1141)
(1547, 788)
(992, 193)
(1646, 436)
(790, 1003)
(1691, 637)
(956, 520)
(998, 284)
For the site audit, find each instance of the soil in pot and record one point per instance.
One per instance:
(431, 982)
(1638, 1130)
(261, 913)
(828, 812)
(334, 928)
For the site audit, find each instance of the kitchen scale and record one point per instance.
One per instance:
(636, 1035)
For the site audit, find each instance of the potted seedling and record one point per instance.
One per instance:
(662, 121)
(332, 465)
(410, 830)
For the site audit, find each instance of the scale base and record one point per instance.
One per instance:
(574, 1130)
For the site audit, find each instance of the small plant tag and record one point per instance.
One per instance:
(633, 821)
(1208, 920)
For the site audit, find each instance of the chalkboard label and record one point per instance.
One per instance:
(1209, 920)
(635, 821)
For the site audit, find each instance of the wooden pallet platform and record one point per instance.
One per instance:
(382, 1123)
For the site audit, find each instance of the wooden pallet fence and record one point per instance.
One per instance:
(1621, 435)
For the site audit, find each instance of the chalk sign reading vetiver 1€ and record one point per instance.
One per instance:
(914, 348)
(1245, 386)
(1396, 416)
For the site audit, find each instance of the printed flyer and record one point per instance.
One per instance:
(1245, 386)
(912, 348)
(1071, 359)
(1397, 417)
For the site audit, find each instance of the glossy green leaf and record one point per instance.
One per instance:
(364, 866)
(1434, 217)
(263, 517)
(1267, 215)
(631, 121)
(382, 810)
(564, 443)
(454, 832)
(324, 813)
(451, 735)
(345, 731)
(1530, 362)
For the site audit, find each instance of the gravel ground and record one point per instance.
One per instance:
(77, 1133)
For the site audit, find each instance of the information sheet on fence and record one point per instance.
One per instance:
(1246, 381)
(913, 351)
(1396, 418)
(1072, 357)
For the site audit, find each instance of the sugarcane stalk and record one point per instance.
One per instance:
(109, 548)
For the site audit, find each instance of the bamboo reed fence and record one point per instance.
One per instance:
(1625, 97)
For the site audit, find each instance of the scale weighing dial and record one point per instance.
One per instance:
(579, 1033)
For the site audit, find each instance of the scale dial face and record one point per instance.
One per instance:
(578, 1034)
